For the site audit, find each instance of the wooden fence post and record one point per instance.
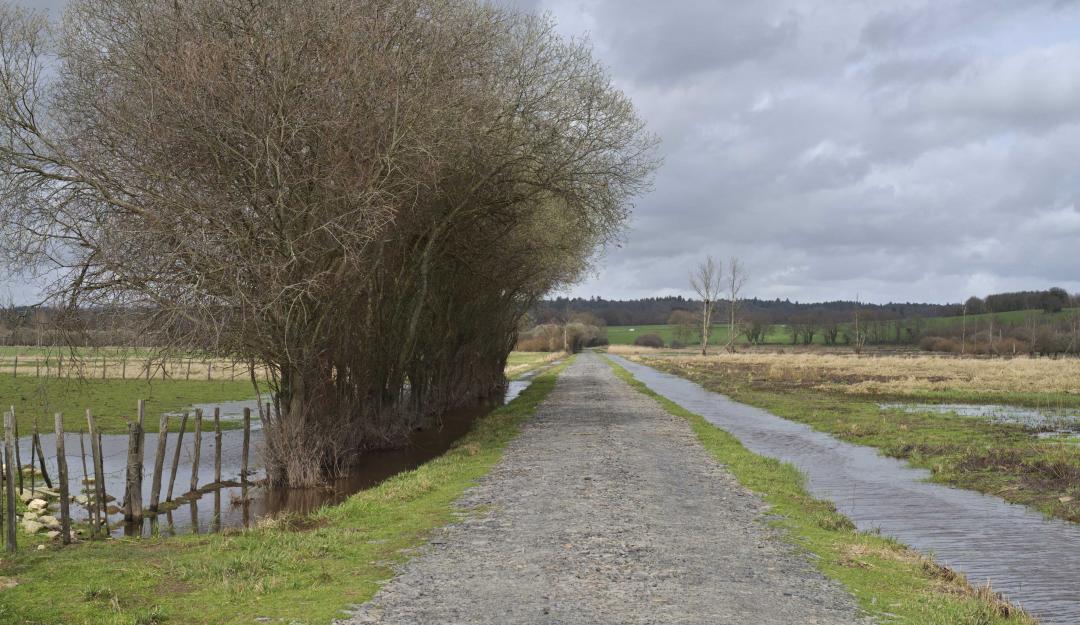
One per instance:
(18, 456)
(62, 476)
(176, 457)
(91, 503)
(99, 468)
(159, 462)
(15, 371)
(196, 451)
(103, 367)
(33, 461)
(217, 445)
(60, 367)
(247, 443)
(133, 492)
(123, 368)
(9, 443)
(188, 375)
(209, 367)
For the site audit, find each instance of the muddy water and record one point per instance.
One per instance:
(236, 505)
(1035, 562)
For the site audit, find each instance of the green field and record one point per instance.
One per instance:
(780, 335)
(625, 335)
(110, 400)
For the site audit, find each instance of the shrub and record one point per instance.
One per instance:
(649, 340)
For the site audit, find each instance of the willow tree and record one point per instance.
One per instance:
(362, 197)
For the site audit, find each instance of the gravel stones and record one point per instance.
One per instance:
(607, 510)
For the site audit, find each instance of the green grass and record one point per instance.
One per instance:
(625, 335)
(1006, 460)
(110, 400)
(780, 335)
(890, 582)
(295, 571)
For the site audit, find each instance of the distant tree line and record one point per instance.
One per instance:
(657, 310)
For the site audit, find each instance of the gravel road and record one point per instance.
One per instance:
(607, 510)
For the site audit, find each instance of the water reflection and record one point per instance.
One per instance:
(240, 503)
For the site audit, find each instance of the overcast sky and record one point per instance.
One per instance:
(899, 150)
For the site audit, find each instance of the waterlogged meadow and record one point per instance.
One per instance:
(874, 401)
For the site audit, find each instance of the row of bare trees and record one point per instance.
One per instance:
(365, 197)
(711, 283)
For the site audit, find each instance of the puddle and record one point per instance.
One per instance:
(235, 505)
(1033, 561)
(1059, 418)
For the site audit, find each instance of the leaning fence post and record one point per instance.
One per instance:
(176, 457)
(247, 443)
(159, 462)
(133, 492)
(91, 503)
(41, 458)
(196, 451)
(62, 475)
(217, 445)
(9, 443)
(99, 467)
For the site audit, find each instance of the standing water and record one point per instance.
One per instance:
(236, 505)
(1033, 561)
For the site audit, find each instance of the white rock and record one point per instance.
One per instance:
(50, 522)
(37, 504)
(30, 515)
(41, 547)
(31, 527)
(52, 534)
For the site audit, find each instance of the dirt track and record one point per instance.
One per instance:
(607, 510)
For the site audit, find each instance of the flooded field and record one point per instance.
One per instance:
(235, 504)
(1039, 418)
(1032, 560)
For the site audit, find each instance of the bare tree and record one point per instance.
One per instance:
(736, 278)
(707, 281)
(363, 197)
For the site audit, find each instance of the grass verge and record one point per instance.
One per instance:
(1006, 460)
(290, 571)
(891, 582)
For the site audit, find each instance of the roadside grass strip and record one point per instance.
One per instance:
(890, 581)
(295, 570)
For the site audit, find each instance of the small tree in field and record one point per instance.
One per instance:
(707, 281)
(736, 278)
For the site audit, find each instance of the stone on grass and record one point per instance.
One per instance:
(50, 522)
(37, 504)
(32, 527)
